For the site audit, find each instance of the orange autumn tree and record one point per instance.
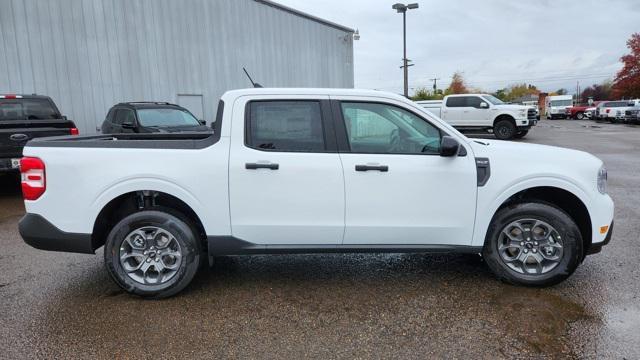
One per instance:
(457, 85)
(627, 81)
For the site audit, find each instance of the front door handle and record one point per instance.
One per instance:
(382, 168)
(255, 166)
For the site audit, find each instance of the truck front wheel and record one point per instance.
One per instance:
(520, 134)
(534, 244)
(152, 253)
(504, 129)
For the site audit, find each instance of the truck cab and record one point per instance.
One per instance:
(25, 117)
(556, 106)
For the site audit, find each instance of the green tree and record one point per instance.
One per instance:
(516, 91)
(501, 94)
(427, 94)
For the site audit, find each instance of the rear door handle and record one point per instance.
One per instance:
(255, 166)
(382, 168)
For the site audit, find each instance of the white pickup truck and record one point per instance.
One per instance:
(308, 171)
(484, 112)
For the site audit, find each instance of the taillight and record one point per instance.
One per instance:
(607, 111)
(74, 131)
(33, 178)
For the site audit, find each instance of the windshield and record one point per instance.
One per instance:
(561, 103)
(492, 99)
(166, 117)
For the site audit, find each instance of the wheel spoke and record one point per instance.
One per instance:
(538, 266)
(133, 254)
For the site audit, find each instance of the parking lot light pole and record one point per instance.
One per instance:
(402, 8)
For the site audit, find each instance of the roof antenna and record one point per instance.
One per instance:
(255, 84)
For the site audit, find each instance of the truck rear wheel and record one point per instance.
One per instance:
(504, 129)
(152, 254)
(534, 244)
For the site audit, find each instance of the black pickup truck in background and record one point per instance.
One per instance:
(24, 117)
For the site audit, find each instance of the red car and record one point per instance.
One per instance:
(578, 112)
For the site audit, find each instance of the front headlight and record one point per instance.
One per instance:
(523, 112)
(602, 180)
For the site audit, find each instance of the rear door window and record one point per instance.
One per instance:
(457, 101)
(285, 126)
(27, 109)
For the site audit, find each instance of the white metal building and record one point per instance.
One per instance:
(91, 54)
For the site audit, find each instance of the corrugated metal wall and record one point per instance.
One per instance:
(90, 54)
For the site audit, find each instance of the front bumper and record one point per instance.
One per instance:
(597, 247)
(41, 234)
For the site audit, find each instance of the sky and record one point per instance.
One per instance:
(552, 44)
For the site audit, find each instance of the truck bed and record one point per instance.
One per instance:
(184, 140)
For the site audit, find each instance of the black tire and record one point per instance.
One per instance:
(563, 224)
(504, 129)
(520, 134)
(580, 116)
(179, 227)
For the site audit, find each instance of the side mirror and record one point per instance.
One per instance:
(449, 146)
(484, 105)
(128, 126)
(203, 122)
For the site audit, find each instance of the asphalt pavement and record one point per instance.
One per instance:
(57, 305)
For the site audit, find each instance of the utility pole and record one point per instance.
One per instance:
(435, 84)
(402, 8)
(578, 93)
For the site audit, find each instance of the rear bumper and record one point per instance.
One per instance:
(41, 234)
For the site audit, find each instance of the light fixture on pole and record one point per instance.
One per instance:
(402, 8)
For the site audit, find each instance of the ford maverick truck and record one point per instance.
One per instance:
(312, 171)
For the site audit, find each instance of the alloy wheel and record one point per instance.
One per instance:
(530, 246)
(150, 255)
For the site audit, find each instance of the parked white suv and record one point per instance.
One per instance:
(309, 171)
(624, 114)
(484, 112)
(612, 111)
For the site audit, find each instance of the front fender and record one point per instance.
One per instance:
(487, 206)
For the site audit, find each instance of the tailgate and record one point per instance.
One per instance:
(14, 134)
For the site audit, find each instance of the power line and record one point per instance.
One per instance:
(558, 78)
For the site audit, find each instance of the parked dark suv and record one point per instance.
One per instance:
(150, 117)
(24, 117)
